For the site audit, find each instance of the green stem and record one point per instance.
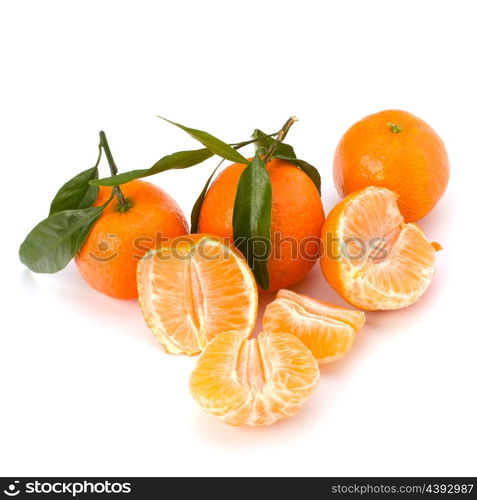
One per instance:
(123, 204)
(395, 129)
(280, 138)
(100, 152)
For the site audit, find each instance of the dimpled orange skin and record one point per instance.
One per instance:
(297, 213)
(413, 162)
(108, 258)
(329, 262)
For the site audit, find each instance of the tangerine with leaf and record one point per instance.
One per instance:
(124, 233)
(139, 216)
(274, 197)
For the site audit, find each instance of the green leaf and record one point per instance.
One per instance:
(181, 159)
(195, 214)
(252, 217)
(286, 152)
(76, 193)
(217, 146)
(266, 141)
(309, 170)
(238, 145)
(52, 243)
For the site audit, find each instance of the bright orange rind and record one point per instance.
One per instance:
(372, 258)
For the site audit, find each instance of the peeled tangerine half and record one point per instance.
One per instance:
(254, 382)
(371, 257)
(327, 330)
(194, 287)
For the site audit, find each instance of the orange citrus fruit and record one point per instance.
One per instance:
(108, 258)
(372, 258)
(326, 329)
(254, 382)
(398, 151)
(194, 287)
(297, 218)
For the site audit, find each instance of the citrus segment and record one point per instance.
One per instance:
(373, 259)
(194, 287)
(254, 382)
(326, 329)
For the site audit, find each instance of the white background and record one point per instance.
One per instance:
(85, 388)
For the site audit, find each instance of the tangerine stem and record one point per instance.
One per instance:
(395, 128)
(280, 138)
(124, 204)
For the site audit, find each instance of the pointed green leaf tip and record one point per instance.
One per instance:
(77, 192)
(195, 214)
(395, 129)
(53, 242)
(215, 145)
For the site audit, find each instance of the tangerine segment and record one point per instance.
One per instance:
(327, 330)
(194, 287)
(373, 259)
(254, 382)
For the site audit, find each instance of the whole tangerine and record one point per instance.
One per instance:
(297, 218)
(398, 151)
(120, 237)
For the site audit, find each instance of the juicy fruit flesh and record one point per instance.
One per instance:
(327, 330)
(190, 292)
(384, 263)
(254, 382)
